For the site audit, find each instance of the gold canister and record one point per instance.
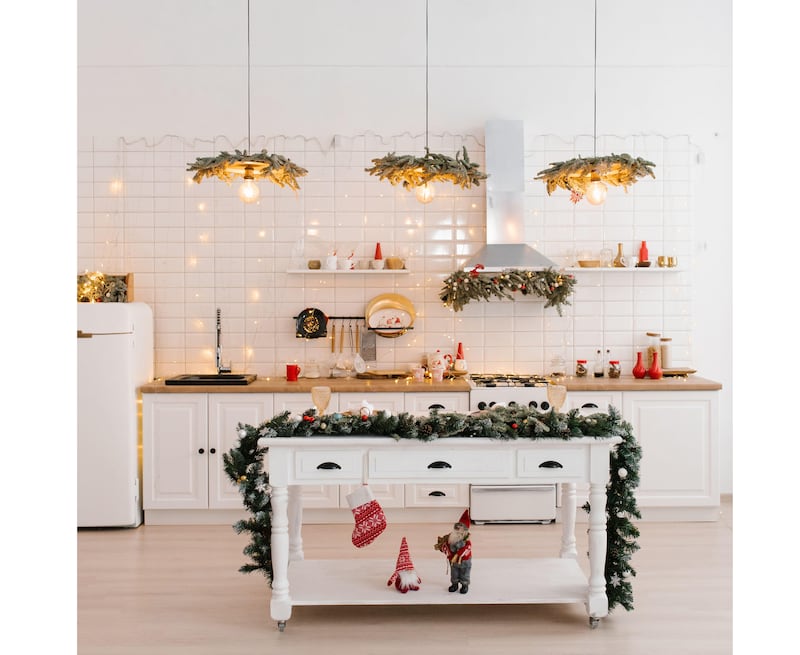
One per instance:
(662, 261)
(672, 261)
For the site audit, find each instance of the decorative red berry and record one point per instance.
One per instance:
(364, 417)
(309, 419)
(514, 426)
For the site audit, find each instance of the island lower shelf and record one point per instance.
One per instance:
(493, 582)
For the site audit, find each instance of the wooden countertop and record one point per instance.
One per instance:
(303, 385)
(630, 383)
(407, 385)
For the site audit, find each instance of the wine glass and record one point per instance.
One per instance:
(321, 396)
(556, 395)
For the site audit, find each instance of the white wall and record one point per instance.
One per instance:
(160, 83)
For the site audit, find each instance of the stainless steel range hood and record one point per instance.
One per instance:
(505, 202)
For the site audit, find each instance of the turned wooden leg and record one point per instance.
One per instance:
(295, 524)
(597, 604)
(568, 545)
(281, 603)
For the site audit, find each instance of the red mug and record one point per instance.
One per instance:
(292, 372)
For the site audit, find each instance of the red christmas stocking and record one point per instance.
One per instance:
(369, 516)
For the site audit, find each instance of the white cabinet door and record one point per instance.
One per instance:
(297, 403)
(591, 402)
(390, 401)
(420, 404)
(174, 444)
(678, 434)
(441, 494)
(226, 412)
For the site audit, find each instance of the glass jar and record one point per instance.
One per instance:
(666, 352)
(653, 346)
(581, 369)
(599, 367)
(558, 367)
(614, 368)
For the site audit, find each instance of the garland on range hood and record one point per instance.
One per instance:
(461, 287)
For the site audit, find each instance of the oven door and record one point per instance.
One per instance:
(518, 503)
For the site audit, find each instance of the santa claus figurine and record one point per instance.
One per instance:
(458, 549)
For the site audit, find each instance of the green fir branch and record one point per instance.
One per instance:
(461, 287)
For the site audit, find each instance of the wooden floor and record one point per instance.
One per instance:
(177, 590)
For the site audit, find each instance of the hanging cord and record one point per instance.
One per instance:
(248, 76)
(426, 76)
(595, 79)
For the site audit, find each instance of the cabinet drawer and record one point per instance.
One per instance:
(440, 494)
(323, 465)
(555, 463)
(439, 465)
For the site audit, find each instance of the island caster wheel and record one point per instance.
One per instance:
(593, 622)
(281, 626)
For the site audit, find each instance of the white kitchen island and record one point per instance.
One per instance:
(352, 460)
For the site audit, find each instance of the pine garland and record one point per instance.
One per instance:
(226, 166)
(413, 172)
(463, 286)
(243, 465)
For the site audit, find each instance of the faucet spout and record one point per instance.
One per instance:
(220, 368)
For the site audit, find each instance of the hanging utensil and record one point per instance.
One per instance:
(340, 362)
(358, 362)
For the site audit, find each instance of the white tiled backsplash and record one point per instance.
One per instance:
(194, 248)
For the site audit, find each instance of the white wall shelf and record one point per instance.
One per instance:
(627, 269)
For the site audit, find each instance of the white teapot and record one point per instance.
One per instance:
(439, 359)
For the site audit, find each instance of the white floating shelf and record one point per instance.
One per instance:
(363, 271)
(627, 269)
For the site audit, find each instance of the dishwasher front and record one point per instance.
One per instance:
(516, 503)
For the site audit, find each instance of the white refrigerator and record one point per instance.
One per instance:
(115, 357)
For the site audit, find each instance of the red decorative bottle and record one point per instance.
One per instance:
(639, 371)
(378, 252)
(655, 371)
(643, 254)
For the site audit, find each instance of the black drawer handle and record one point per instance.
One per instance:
(437, 493)
(436, 406)
(328, 466)
(212, 450)
(439, 464)
(550, 464)
(201, 450)
(588, 406)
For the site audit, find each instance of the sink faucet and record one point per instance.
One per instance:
(220, 368)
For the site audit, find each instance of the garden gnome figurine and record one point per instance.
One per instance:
(404, 576)
(458, 549)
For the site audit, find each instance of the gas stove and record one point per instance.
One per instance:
(491, 380)
(490, 389)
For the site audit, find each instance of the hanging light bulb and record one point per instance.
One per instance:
(249, 191)
(596, 191)
(425, 193)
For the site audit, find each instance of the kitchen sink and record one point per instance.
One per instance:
(211, 379)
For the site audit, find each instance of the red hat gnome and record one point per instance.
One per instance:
(457, 547)
(404, 576)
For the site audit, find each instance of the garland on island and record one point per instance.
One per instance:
(463, 286)
(243, 465)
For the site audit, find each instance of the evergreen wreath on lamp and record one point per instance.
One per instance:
(243, 465)
(461, 287)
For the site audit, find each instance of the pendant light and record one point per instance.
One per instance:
(249, 166)
(589, 177)
(419, 173)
